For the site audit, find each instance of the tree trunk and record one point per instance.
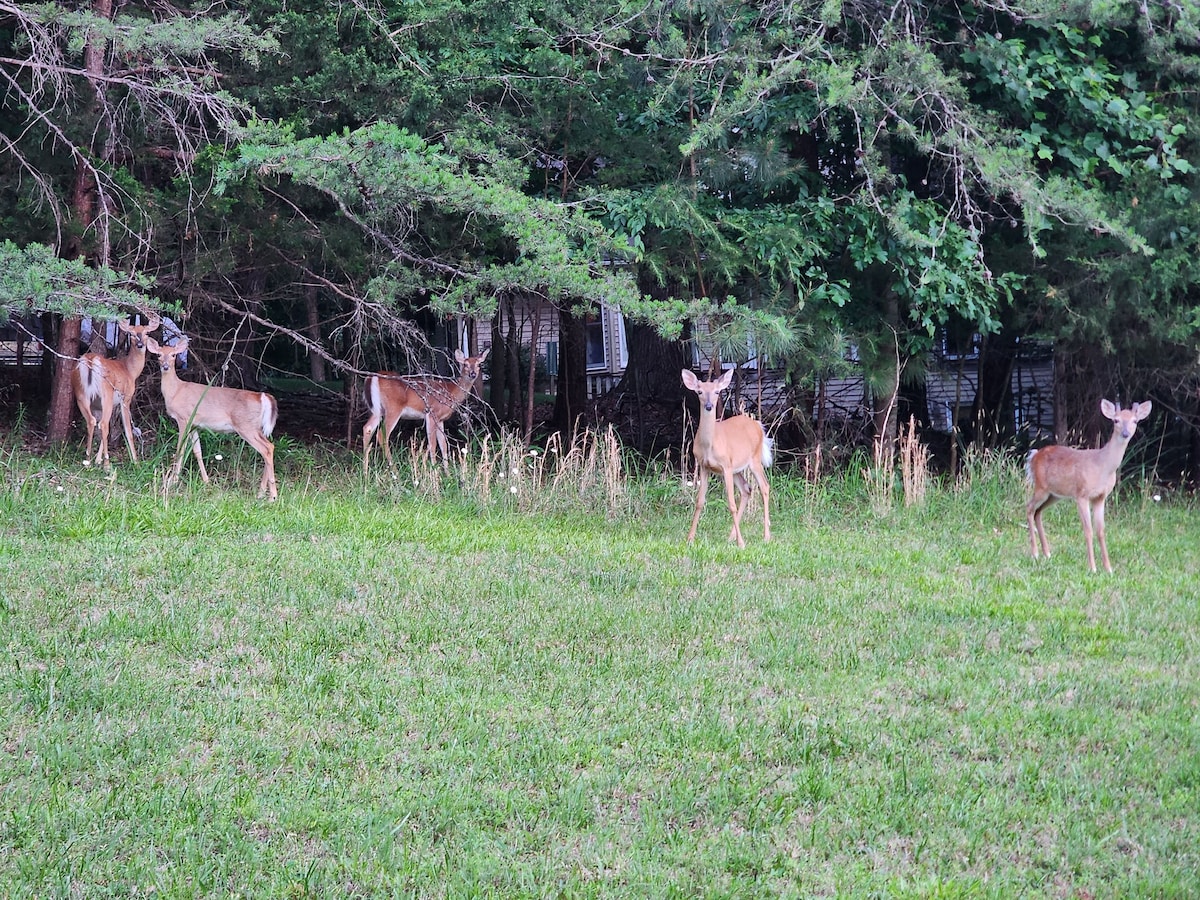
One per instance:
(533, 346)
(512, 411)
(993, 414)
(498, 384)
(62, 399)
(312, 329)
(83, 206)
(571, 403)
(644, 406)
(883, 414)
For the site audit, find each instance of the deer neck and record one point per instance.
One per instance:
(706, 430)
(135, 360)
(170, 381)
(1114, 451)
(463, 385)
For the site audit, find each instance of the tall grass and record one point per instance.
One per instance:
(503, 471)
(375, 687)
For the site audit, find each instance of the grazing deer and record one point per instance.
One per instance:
(1088, 476)
(430, 397)
(728, 447)
(251, 414)
(99, 383)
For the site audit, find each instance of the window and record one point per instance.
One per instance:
(593, 328)
(601, 331)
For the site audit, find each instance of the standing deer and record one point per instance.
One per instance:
(100, 383)
(430, 397)
(251, 414)
(728, 447)
(1088, 476)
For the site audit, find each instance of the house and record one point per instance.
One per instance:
(951, 383)
(535, 322)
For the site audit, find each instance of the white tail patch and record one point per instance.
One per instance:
(371, 395)
(91, 376)
(270, 413)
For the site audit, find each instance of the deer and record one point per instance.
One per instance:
(250, 414)
(728, 448)
(434, 398)
(1088, 476)
(100, 384)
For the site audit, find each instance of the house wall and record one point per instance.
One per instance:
(947, 381)
(609, 330)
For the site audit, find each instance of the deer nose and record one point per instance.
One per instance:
(707, 405)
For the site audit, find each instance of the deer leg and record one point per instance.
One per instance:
(368, 432)
(701, 497)
(90, 420)
(742, 487)
(761, 477)
(85, 411)
(431, 435)
(106, 411)
(1098, 519)
(267, 451)
(1033, 513)
(194, 438)
(441, 442)
(734, 510)
(385, 436)
(127, 422)
(1085, 516)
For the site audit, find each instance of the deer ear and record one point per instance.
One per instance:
(459, 356)
(1141, 410)
(689, 380)
(723, 381)
(1106, 407)
(152, 345)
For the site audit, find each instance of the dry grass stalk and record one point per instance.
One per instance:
(880, 478)
(505, 470)
(426, 473)
(914, 464)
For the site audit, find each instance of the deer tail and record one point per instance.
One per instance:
(768, 450)
(91, 372)
(270, 414)
(1029, 466)
(371, 395)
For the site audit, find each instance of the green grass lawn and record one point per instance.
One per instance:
(367, 690)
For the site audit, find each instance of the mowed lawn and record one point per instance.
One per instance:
(367, 691)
